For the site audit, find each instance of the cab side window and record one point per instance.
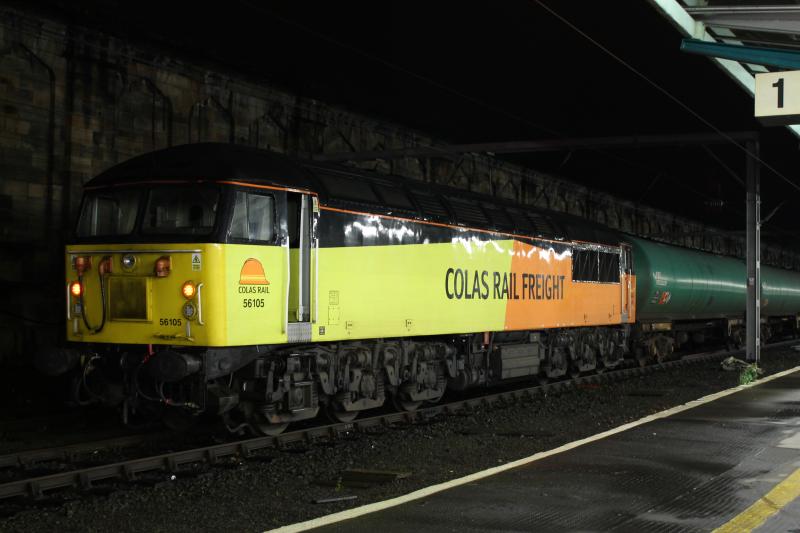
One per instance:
(253, 217)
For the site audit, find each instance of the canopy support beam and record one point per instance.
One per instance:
(753, 314)
(773, 57)
(545, 145)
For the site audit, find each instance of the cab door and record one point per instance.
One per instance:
(301, 253)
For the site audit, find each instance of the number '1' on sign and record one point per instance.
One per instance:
(777, 99)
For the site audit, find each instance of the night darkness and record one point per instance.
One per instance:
(225, 342)
(494, 71)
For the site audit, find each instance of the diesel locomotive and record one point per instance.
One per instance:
(229, 280)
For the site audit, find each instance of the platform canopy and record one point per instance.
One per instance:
(754, 23)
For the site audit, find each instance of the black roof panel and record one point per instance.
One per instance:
(209, 161)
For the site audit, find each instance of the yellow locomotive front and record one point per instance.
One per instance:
(174, 265)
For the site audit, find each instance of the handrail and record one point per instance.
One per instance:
(200, 304)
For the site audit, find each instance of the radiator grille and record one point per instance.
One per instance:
(127, 297)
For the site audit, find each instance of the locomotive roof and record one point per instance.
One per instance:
(408, 197)
(208, 161)
(352, 188)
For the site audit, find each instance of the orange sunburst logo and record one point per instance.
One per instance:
(252, 273)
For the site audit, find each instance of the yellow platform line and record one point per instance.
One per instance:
(769, 504)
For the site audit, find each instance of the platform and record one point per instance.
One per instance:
(695, 470)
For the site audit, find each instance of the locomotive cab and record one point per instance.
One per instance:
(193, 264)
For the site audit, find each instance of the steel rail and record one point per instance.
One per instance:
(172, 461)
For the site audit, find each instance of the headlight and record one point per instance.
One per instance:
(188, 290)
(189, 311)
(75, 288)
(128, 262)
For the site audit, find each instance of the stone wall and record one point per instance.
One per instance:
(75, 101)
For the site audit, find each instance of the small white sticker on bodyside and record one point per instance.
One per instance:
(197, 262)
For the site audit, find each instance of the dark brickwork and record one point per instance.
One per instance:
(74, 102)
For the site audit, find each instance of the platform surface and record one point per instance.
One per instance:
(693, 471)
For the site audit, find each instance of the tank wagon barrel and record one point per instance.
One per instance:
(677, 283)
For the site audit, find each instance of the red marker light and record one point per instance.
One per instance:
(83, 263)
(75, 289)
(163, 266)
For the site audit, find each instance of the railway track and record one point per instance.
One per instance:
(27, 458)
(128, 470)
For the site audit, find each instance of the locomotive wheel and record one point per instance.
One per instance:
(405, 405)
(263, 427)
(337, 414)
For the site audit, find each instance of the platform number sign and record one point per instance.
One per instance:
(778, 98)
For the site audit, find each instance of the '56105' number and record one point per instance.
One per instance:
(252, 302)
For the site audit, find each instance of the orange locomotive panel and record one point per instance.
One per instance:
(545, 296)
